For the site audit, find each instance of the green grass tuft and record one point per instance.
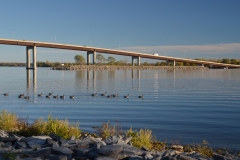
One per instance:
(10, 122)
(140, 138)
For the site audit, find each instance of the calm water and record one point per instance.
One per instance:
(181, 106)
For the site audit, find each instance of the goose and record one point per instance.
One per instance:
(26, 97)
(141, 96)
(115, 95)
(104, 94)
(94, 94)
(71, 97)
(40, 95)
(6, 94)
(20, 95)
(62, 97)
(109, 96)
(55, 96)
(127, 96)
(48, 96)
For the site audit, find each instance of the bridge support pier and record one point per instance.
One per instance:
(202, 65)
(133, 60)
(88, 57)
(171, 62)
(34, 64)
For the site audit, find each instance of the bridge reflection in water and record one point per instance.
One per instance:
(32, 81)
(92, 78)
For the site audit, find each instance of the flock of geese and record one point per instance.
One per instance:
(72, 96)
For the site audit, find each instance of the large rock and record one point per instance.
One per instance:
(57, 157)
(98, 140)
(122, 155)
(169, 153)
(51, 143)
(85, 142)
(110, 149)
(105, 158)
(93, 154)
(38, 153)
(61, 150)
(129, 148)
(55, 137)
(35, 139)
(82, 152)
(8, 139)
(136, 158)
(183, 157)
(68, 143)
(20, 145)
(111, 140)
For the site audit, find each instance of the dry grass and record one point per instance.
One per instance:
(107, 130)
(10, 122)
(203, 149)
(140, 138)
(59, 127)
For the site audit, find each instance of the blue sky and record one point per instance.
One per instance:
(186, 28)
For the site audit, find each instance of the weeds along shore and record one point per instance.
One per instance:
(142, 139)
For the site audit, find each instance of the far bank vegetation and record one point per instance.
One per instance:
(101, 60)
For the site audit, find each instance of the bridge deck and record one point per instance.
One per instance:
(108, 51)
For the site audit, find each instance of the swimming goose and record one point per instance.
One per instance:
(141, 96)
(71, 97)
(55, 96)
(6, 94)
(109, 96)
(48, 96)
(104, 94)
(115, 95)
(62, 97)
(20, 95)
(127, 96)
(26, 97)
(94, 94)
(40, 95)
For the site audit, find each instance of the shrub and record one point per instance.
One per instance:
(8, 121)
(11, 123)
(203, 149)
(59, 127)
(107, 130)
(140, 138)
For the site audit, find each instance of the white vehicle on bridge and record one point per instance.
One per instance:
(155, 54)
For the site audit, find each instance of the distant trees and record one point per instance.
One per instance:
(52, 64)
(225, 60)
(79, 59)
(111, 60)
(100, 58)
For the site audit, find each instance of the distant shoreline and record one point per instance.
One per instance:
(105, 67)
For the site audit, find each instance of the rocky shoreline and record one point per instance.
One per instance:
(53, 147)
(104, 67)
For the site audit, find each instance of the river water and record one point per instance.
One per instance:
(179, 106)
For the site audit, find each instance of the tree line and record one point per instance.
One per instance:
(100, 59)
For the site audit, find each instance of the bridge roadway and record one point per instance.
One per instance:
(92, 50)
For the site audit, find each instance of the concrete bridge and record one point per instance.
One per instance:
(32, 45)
